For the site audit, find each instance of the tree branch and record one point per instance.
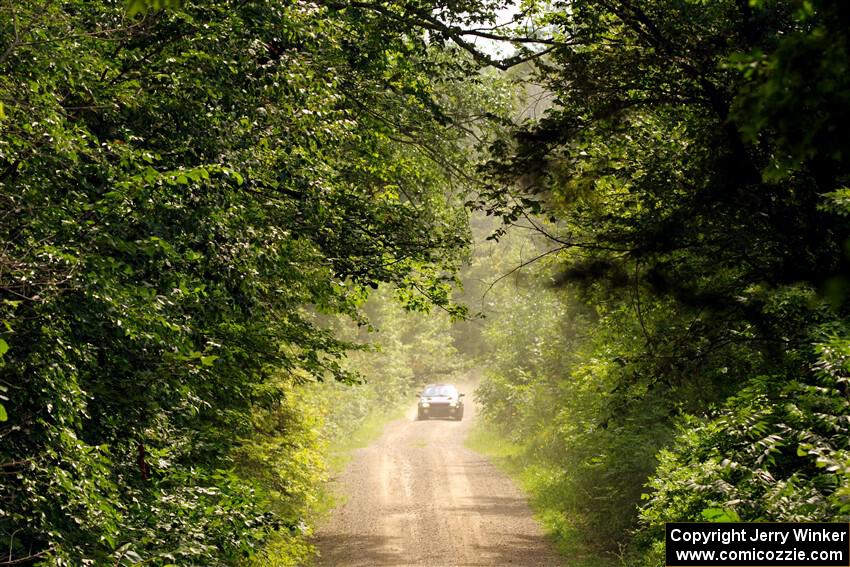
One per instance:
(458, 34)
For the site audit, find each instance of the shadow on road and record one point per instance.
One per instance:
(377, 551)
(493, 506)
(348, 550)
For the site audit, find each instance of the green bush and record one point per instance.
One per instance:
(777, 451)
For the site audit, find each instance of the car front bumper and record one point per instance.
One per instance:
(440, 410)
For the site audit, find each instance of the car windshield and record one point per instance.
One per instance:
(433, 391)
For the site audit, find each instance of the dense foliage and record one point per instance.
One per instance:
(695, 164)
(193, 192)
(184, 190)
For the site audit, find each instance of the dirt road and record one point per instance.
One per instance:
(417, 496)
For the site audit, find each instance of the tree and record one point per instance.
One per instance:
(181, 188)
(694, 164)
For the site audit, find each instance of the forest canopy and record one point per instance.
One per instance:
(186, 188)
(694, 164)
(190, 191)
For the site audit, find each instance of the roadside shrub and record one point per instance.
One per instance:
(779, 450)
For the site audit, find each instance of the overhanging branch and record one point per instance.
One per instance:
(460, 36)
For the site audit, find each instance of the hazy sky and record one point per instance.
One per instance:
(493, 48)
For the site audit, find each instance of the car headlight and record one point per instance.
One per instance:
(452, 404)
(424, 404)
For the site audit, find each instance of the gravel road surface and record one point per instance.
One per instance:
(417, 496)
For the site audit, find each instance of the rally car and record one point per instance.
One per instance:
(440, 400)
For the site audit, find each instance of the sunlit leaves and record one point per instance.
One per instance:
(137, 7)
(184, 186)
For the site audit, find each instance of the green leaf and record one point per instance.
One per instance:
(720, 515)
(131, 558)
(137, 7)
